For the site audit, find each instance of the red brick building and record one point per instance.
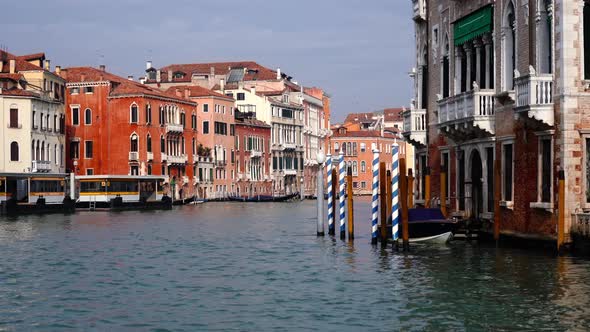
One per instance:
(357, 146)
(252, 156)
(115, 126)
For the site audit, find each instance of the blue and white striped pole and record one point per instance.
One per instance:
(375, 201)
(341, 172)
(395, 192)
(329, 167)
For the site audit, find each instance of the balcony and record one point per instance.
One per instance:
(134, 156)
(534, 98)
(164, 157)
(415, 126)
(255, 154)
(150, 156)
(200, 159)
(40, 166)
(290, 172)
(174, 128)
(469, 115)
(177, 159)
(220, 163)
(289, 146)
(419, 7)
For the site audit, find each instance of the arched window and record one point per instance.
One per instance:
(509, 46)
(183, 146)
(134, 116)
(355, 168)
(14, 151)
(42, 150)
(134, 143)
(88, 116)
(148, 114)
(363, 166)
(544, 35)
(445, 69)
(349, 148)
(162, 144)
(148, 143)
(194, 147)
(344, 148)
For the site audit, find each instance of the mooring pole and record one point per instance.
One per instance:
(404, 203)
(561, 212)
(320, 193)
(334, 196)
(73, 186)
(443, 193)
(410, 189)
(342, 193)
(383, 202)
(330, 195)
(395, 195)
(375, 194)
(427, 187)
(350, 203)
(497, 198)
(388, 198)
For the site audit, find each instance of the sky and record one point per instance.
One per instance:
(360, 52)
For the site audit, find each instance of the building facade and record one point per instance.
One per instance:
(357, 147)
(116, 126)
(316, 131)
(503, 81)
(32, 115)
(253, 156)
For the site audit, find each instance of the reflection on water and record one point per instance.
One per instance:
(223, 266)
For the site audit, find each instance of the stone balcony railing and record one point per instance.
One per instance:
(201, 159)
(134, 156)
(290, 172)
(41, 166)
(415, 126)
(419, 7)
(255, 154)
(220, 163)
(534, 97)
(174, 128)
(164, 157)
(183, 159)
(468, 115)
(289, 146)
(150, 156)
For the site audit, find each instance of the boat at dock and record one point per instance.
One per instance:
(263, 198)
(34, 193)
(429, 225)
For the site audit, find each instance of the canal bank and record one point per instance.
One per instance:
(224, 266)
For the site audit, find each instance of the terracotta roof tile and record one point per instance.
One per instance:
(255, 72)
(363, 133)
(18, 92)
(393, 114)
(197, 91)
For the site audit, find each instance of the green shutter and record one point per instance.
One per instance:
(473, 25)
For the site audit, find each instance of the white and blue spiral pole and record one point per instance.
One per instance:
(329, 167)
(395, 192)
(341, 194)
(375, 199)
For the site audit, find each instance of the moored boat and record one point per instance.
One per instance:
(263, 198)
(429, 225)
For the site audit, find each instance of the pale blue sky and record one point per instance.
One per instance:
(358, 51)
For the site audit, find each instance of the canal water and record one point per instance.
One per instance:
(260, 267)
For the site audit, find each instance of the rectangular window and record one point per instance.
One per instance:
(545, 169)
(183, 120)
(205, 108)
(13, 118)
(445, 165)
(74, 150)
(88, 149)
(205, 127)
(363, 185)
(89, 89)
(75, 116)
(287, 113)
(241, 96)
(507, 172)
(74, 91)
(232, 130)
(89, 171)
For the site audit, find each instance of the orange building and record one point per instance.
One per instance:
(357, 146)
(115, 126)
(214, 121)
(252, 156)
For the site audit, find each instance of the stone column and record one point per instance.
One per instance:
(420, 80)
(458, 64)
(478, 44)
(487, 41)
(468, 55)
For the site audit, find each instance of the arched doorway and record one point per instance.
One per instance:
(476, 184)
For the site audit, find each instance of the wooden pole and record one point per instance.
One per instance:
(404, 203)
(410, 189)
(443, 193)
(388, 198)
(350, 206)
(332, 230)
(383, 202)
(497, 198)
(427, 188)
(561, 212)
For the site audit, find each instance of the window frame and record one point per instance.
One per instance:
(86, 118)
(14, 144)
(86, 149)
(503, 202)
(131, 108)
(540, 204)
(75, 110)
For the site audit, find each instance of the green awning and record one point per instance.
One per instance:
(473, 25)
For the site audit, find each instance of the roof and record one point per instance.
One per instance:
(197, 91)
(252, 70)
(34, 56)
(359, 117)
(393, 114)
(18, 92)
(121, 86)
(363, 133)
(252, 122)
(13, 77)
(21, 62)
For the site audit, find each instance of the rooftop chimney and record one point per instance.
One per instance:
(158, 76)
(222, 84)
(142, 80)
(278, 73)
(170, 76)
(130, 77)
(212, 71)
(12, 66)
(102, 68)
(47, 65)
(57, 70)
(148, 64)
(82, 77)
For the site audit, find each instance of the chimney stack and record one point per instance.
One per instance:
(47, 65)
(148, 64)
(142, 80)
(158, 76)
(12, 66)
(130, 77)
(222, 85)
(278, 73)
(58, 70)
(102, 68)
(212, 72)
(82, 77)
